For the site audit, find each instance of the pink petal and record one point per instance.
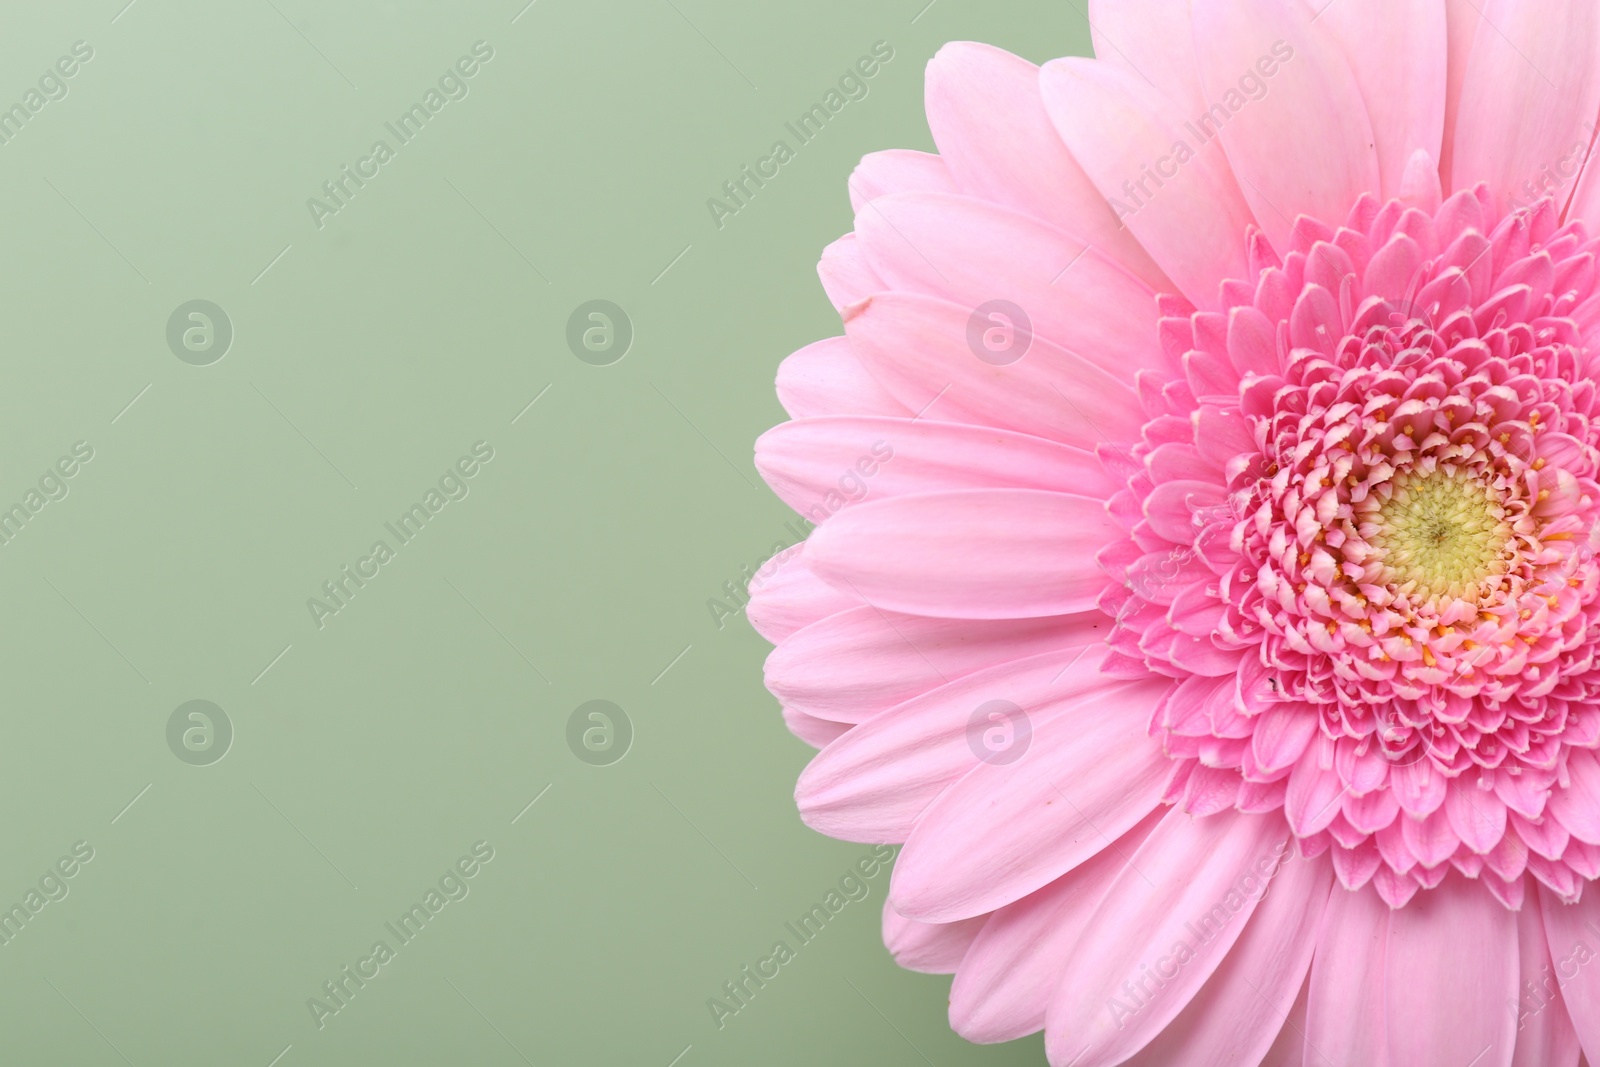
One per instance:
(1529, 98)
(968, 554)
(786, 595)
(818, 733)
(1450, 970)
(1398, 53)
(1345, 1010)
(922, 350)
(873, 783)
(1576, 805)
(1007, 829)
(897, 170)
(930, 948)
(1153, 40)
(1187, 211)
(1192, 884)
(1008, 975)
(1545, 1037)
(1572, 932)
(850, 666)
(985, 115)
(972, 252)
(1237, 1015)
(826, 378)
(1289, 1048)
(1305, 147)
(846, 276)
(818, 466)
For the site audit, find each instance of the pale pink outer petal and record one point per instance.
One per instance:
(1154, 40)
(1345, 1012)
(1006, 979)
(826, 378)
(1576, 804)
(1399, 54)
(968, 554)
(920, 349)
(1545, 1037)
(846, 276)
(1238, 1014)
(873, 783)
(1450, 971)
(786, 596)
(1530, 97)
(818, 733)
(850, 666)
(1184, 884)
(1567, 927)
(1007, 829)
(1461, 29)
(929, 948)
(1306, 146)
(897, 170)
(984, 112)
(972, 252)
(1190, 215)
(1290, 1047)
(817, 466)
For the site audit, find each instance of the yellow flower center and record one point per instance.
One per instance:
(1442, 534)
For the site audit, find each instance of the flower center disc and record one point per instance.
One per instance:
(1441, 534)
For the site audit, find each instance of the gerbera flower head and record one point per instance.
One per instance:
(1204, 587)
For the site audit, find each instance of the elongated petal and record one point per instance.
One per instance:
(850, 666)
(1450, 972)
(930, 353)
(1006, 979)
(1545, 1037)
(818, 466)
(898, 170)
(931, 948)
(786, 595)
(1574, 944)
(1007, 829)
(1305, 147)
(873, 783)
(1530, 95)
(1153, 40)
(970, 554)
(1185, 886)
(1398, 53)
(826, 378)
(1346, 1009)
(985, 115)
(973, 253)
(1183, 204)
(1237, 1015)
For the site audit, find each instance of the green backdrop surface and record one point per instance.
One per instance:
(407, 333)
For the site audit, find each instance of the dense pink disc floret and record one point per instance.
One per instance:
(1359, 535)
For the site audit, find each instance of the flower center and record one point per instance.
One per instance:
(1441, 534)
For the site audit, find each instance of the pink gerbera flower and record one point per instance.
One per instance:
(1203, 586)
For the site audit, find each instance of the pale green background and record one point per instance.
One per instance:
(406, 329)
